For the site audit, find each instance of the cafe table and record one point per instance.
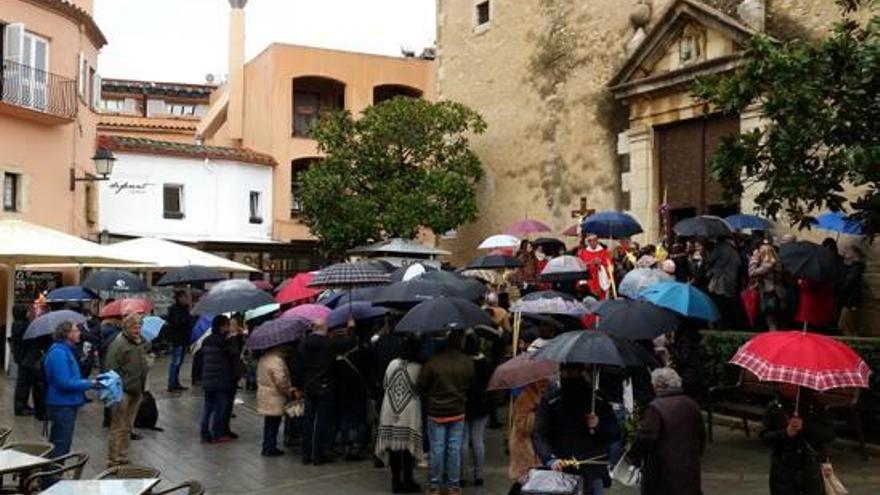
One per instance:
(102, 487)
(12, 461)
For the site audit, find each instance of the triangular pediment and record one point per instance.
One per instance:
(688, 37)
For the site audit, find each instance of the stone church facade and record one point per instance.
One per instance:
(588, 104)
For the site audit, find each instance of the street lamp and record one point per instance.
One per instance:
(103, 160)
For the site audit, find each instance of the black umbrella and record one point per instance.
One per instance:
(114, 281)
(548, 294)
(494, 262)
(408, 294)
(590, 347)
(703, 226)
(232, 296)
(441, 314)
(471, 289)
(549, 244)
(191, 274)
(634, 319)
(810, 261)
(47, 323)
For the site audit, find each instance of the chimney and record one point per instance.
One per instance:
(753, 13)
(235, 84)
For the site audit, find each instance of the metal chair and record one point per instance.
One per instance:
(39, 449)
(5, 431)
(192, 487)
(128, 472)
(68, 466)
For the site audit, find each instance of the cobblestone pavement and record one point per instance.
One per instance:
(733, 464)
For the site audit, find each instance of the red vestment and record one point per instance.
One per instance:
(595, 259)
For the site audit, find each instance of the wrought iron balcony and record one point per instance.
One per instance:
(38, 90)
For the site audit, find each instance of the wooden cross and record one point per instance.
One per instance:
(583, 211)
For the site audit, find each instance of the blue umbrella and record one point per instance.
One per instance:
(47, 323)
(358, 310)
(151, 326)
(836, 221)
(684, 299)
(203, 324)
(742, 221)
(71, 293)
(611, 225)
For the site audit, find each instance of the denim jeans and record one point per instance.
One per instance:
(595, 486)
(63, 420)
(318, 424)
(474, 438)
(615, 449)
(178, 352)
(214, 420)
(446, 441)
(271, 424)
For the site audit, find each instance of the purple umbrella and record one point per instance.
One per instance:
(277, 332)
(358, 311)
(525, 227)
(311, 312)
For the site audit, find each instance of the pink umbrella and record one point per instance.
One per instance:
(311, 312)
(571, 231)
(525, 227)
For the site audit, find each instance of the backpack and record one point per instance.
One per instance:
(148, 413)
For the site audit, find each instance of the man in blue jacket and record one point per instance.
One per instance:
(65, 392)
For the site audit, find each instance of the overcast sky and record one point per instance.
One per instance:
(183, 40)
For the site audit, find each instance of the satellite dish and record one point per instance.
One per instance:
(209, 78)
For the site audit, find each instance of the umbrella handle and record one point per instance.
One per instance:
(797, 402)
(596, 374)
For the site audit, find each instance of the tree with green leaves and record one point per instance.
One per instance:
(820, 148)
(403, 165)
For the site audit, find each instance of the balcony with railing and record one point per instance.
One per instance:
(33, 93)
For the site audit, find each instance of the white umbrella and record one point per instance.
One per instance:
(414, 271)
(27, 243)
(167, 254)
(499, 241)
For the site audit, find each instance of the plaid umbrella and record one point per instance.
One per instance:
(347, 275)
(805, 359)
(277, 332)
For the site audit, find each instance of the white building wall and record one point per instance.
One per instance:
(216, 198)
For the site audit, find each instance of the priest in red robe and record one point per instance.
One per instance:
(597, 258)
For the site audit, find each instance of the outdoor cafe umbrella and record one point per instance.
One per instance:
(611, 225)
(564, 269)
(494, 262)
(525, 227)
(311, 312)
(836, 221)
(638, 279)
(114, 281)
(521, 371)
(277, 332)
(441, 314)
(635, 320)
(232, 296)
(742, 221)
(810, 261)
(47, 323)
(71, 293)
(499, 241)
(703, 226)
(684, 299)
(122, 307)
(190, 274)
(357, 311)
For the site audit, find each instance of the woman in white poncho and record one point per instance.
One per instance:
(400, 422)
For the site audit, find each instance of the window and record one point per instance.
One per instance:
(306, 107)
(172, 201)
(182, 109)
(83, 76)
(256, 207)
(10, 191)
(483, 13)
(113, 105)
(35, 75)
(298, 168)
(314, 96)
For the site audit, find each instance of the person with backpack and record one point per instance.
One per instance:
(313, 380)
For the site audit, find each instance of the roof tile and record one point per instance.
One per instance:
(154, 147)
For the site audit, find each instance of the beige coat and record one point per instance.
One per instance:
(522, 452)
(273, 384)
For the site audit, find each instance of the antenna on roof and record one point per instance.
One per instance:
(407, 51)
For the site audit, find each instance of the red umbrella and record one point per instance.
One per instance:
(521, 371)
(122, 307)
(297, 289)
(804, 359)
(525, 227)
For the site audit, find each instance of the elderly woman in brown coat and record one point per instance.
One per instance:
(522, 452)
(274, 390)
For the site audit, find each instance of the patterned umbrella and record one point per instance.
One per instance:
(564, 269)
(525, 227)
(277, 332)
(521, 371)
(122, 307)
(347, 275)
(114, 281)
(46, 324)
(311, 312)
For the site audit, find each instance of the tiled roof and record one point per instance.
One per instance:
(154, 147)
(186, 90)
(70, 10)
(112, 120)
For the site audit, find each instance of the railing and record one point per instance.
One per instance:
(29, 87)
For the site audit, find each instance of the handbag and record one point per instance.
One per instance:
(295, 408)
(833, 486)
(626, 473)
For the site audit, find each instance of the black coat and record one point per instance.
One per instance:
(795, 464)
(314, 367)
(477, 406)
(561, 430)
(352, 373)
(219, 354)
(180, 323)
(849, 285)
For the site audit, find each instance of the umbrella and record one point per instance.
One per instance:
(311, 312)
(408, 294)
(151, 326)
(499, 241)
(494, 262)
(611, 225)
(548, 294)
(164, 254)
(232, 296)
(358, 311)
(549, 244)
(277, 332)
(808, 260)
(264, 310)
(333, 299)
(410, 272)
(639, 279)
(122, 307)
(805, 359)
(201, 327)
(296, 289)
(349, 275)
(443, 313)
(564, 269)
(684, 299)
(263, 285)
(702, 226)
(190, 274)
(47, 323)
(836, 221)
(114, 281)
(742, 221)
(71, 293)
(521, 371)
(572, 231)
(558, 306)
(399, 247)
(490, 277)
(525, 227)
(590, 347)
(470, 289)
(631, 319)
(382, 265)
